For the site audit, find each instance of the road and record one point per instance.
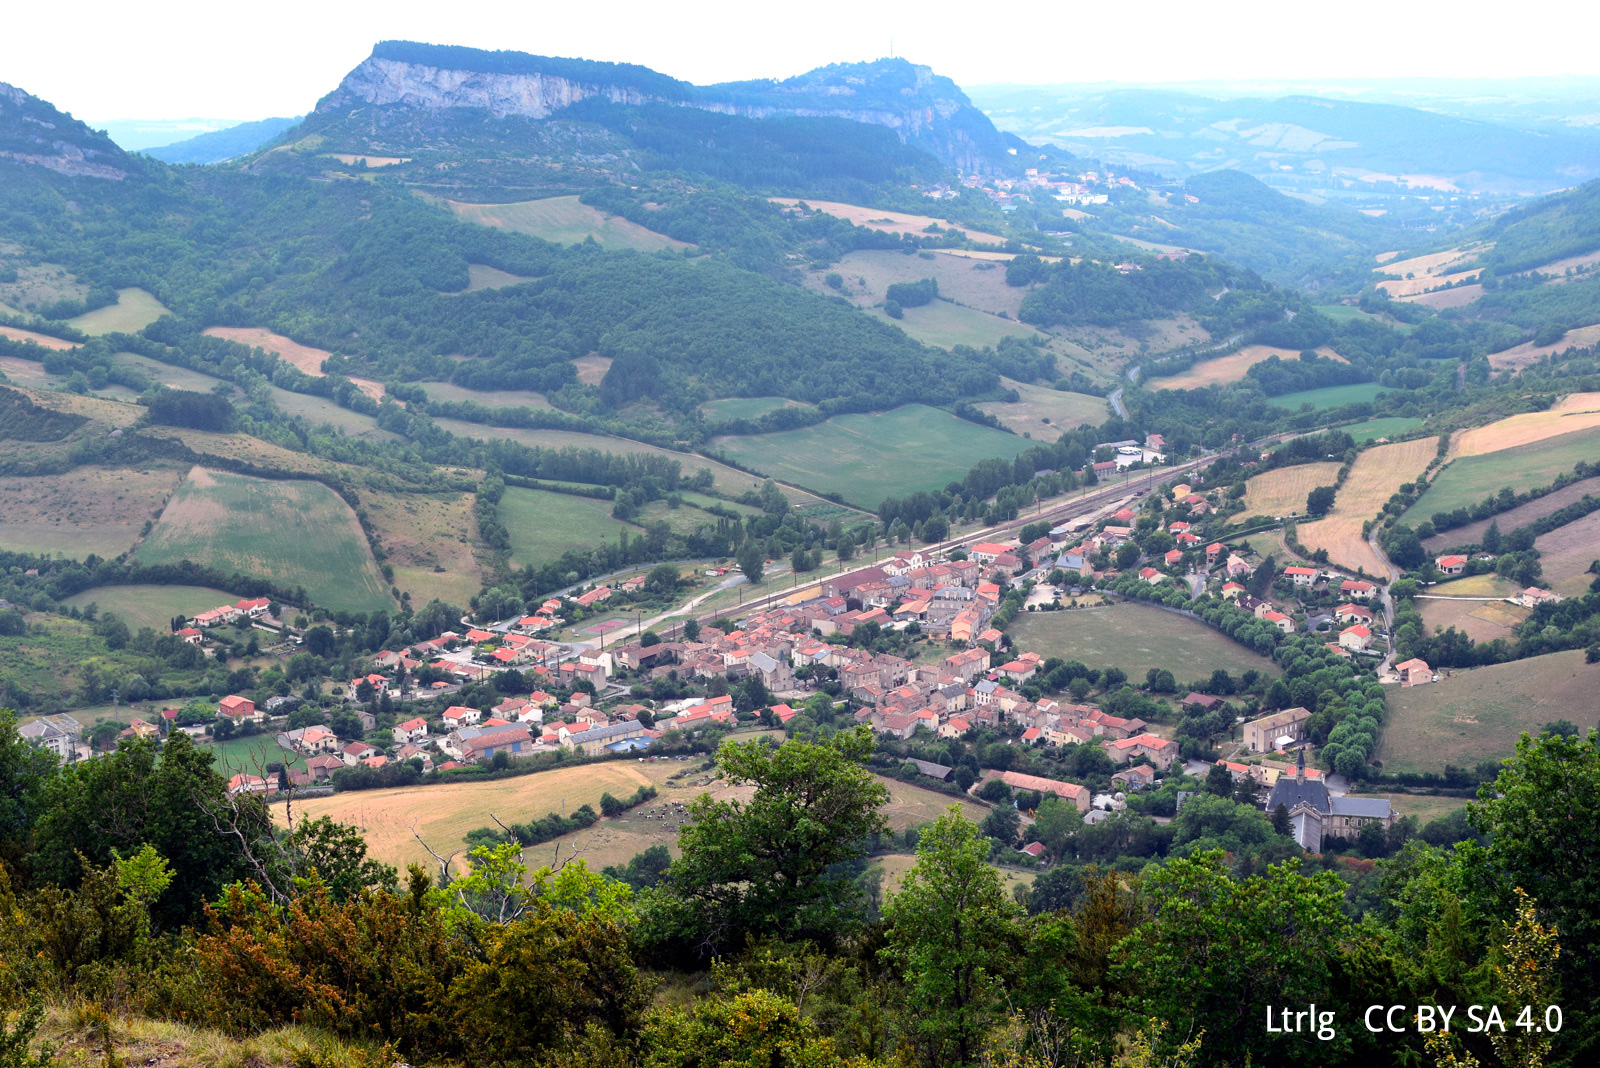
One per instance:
(1115, 396)
(1390, 574)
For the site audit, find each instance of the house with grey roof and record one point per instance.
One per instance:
(59, 734)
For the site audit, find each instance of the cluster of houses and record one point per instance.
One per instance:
(251, 608)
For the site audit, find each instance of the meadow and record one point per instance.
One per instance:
(1376, 475)
(85, 510)
(481, 276)
(134, 310)
(1478, 715)
(171, 375)
(727, 408)
(1328, 397)
(1522, 515)
(1467, 480)
(1566, 554)
(1283, 490)
(251, 756)
(320, 411)
(1487, 584)
(501, 398)
(865, 458)
(151, 606)
(543, 525)
(947, 325)
(1043, 411)
(1389, 426)
(566, 221)
(429, 541)
(1135, 637)
(294, 533)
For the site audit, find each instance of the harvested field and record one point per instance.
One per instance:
(890, 222)
(566, 221)
(304, 357)
(1328, 396)
(866, 458)
(1283, 491)
(1522, 515)
(726, 479)
(152, 606)
(1567, 553)
(1043, 412)
(428, 539)
(86, 510)
(503, 398)
(1577, 411)
(1468, 480)
(1558, 268)
(1527, 353)
(1377, 473)
(1222, 369)
(1477, 715)
(483, 277)
(1481, 621)
(16, 333)
(294, 533)
(1135, 637)
(134, 310)
(1431, 265)
(1458, 297)
(1412, 288)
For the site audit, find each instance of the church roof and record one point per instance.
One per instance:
(1290, 792)
(1364, 807)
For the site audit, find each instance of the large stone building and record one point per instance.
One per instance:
(1316, 814)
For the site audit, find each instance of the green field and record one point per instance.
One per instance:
(1386, 427)
(1469, 479)
(251, 755)
(1330, 397)
(170, 375)
(502, 398)
(134, 310)
(947, 325)
(292, 532)
(320, 411)
(480, 276)
(865, 458)
(151, 606)
(1478, 715)
(544, 525)
(566, 221)
(718, 411)
(1134, 637)
(1044, 411)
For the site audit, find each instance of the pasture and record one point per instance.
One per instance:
(151, 606)
(134, 310)
(865, 458)
(428, 538)
(718, 411)
(566, 221)
(947, 325)
(320, 411)
(725, 478)
(1221, 370)
(1487, 584)
(1575, 412)
(1283, 490)
(978, 284)
(890, 222)
(1043, 411)
(1377, 473)
(1328, 397)
(1481, 621)
(1519, 356)
(498, 398)
(592, 368)
(250, 755)
(1456, 297)
(85, 510)
(1389, 426)
(306, 358)
(543, 525)
(1476, 715)
(1567, 553)
(1522, 515)
(294, 533)
(171, 375)
(1468, 480)
(16, 333)
(482, 276)
(1135, 637)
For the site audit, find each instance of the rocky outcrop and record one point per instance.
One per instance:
(384, 82)
(33, 132)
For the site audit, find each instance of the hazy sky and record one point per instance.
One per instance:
(165, 59)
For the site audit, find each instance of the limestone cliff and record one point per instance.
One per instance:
(33, 132)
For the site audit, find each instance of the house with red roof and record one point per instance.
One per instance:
(1414, 672)
(1151, 575)
(1353, 613)
(457, 716)
(411, 730)
(239, 709)
(1450, 565)
(1302, 576)
(1356, 590)
(1356, 638)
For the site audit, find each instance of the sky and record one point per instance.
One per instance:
(169, 59)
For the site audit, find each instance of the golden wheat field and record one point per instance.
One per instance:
(1377, 473)
(1576, 411)
(1283, 491)
(304, 357)
(1230, 368)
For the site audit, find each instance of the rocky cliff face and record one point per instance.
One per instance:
(385, 82)
(33, 132)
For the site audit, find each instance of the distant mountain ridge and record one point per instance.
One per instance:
(217, 146)
(925, 110)
(35, 132)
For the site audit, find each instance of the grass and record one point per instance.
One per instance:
(1522, 515)
(1045, 412)
(481, 276)
(294, 533)
(544, 525)
(1390, 426)
(1469, 479)
(320, 411)
(947, 325)
(1134, 637)
(1566, 554)
(726, 479)
(978, 284)
(502, 398)
(86, 510)
(566, 221)
(134, 310)
(1283, 490)
(1329, 397)
(1486, 585)
(1481, 621)
(251, 755)
(1477, 715)
(865, 458)
(728, 408)
(1377, 473)
(429, 541)
(171, 375)
(1425, 807)
(151, 606)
